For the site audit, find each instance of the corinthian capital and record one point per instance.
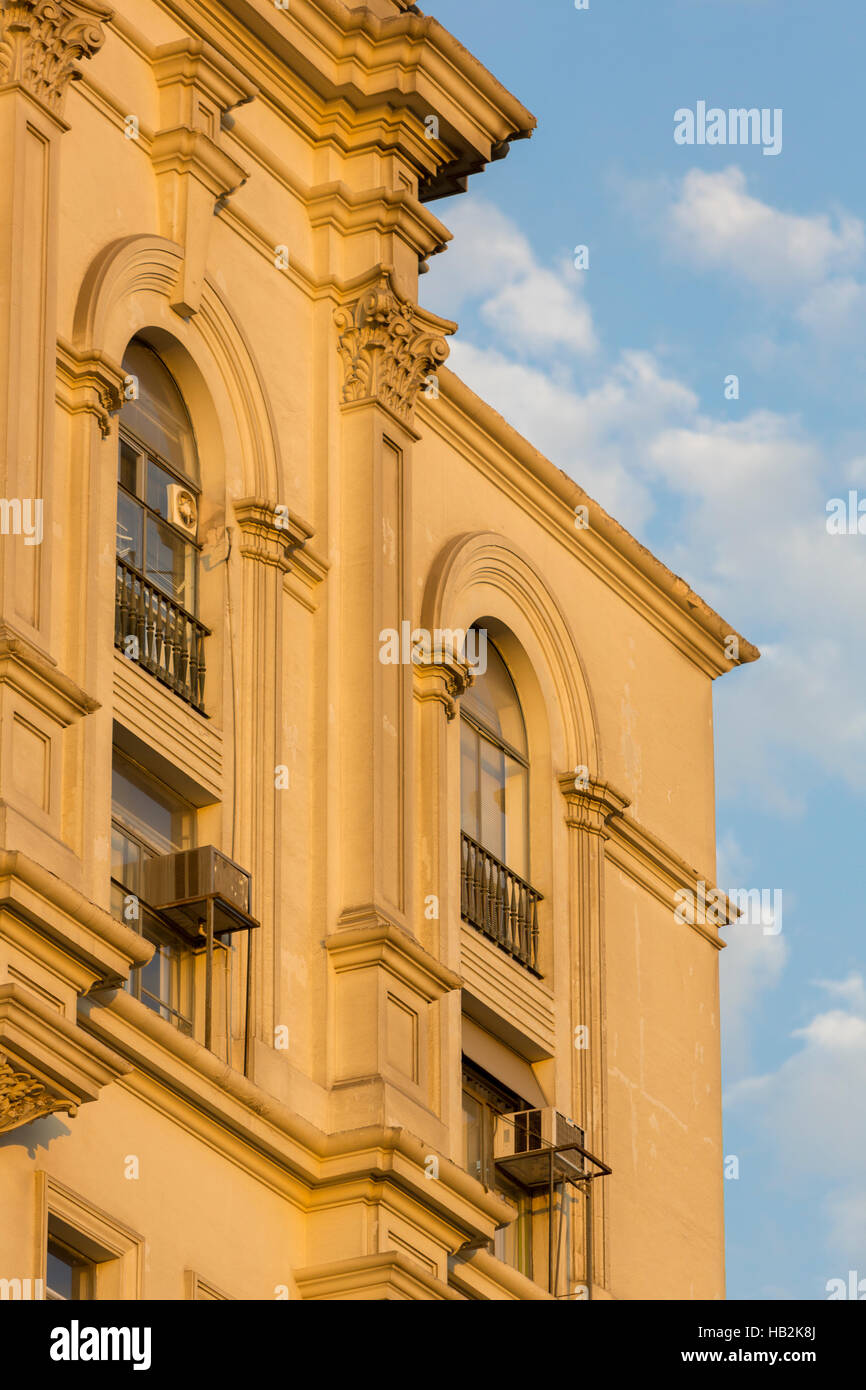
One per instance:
(390, 349)
(42, 40)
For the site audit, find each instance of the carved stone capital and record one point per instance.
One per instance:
(23, 1098)
(88, 383)
(444, 679)
(389, 349)
(591, 804)
(41, 41)
(273, 536)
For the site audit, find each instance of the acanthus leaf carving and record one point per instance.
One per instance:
(23, 1098)
(41, 41)
(389, 349)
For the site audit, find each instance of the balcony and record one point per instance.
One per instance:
(498, 903)
(159, 635)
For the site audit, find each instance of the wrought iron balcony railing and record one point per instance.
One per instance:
(499, 903)
(168, 641)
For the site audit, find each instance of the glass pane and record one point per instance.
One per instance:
(60, 1273)
(68, 1275)
(171, 564)
(492, 797)
(148, 809)
(158, 483)
(129, 519)
(516, 828)
(492, 700)
(127, 467)
(159, 417)
(126, 860)
(469, 780)
(473, 1136)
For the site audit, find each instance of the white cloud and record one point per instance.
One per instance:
(750, 966)
(531, 307)
(718, 224)
(812, 1114)
(736, 506)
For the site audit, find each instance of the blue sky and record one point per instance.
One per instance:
(707, 261)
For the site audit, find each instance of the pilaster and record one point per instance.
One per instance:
(591, 805)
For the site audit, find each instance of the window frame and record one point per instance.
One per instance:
(181, 964)
(483, 730)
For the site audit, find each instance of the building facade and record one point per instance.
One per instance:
(351, 757)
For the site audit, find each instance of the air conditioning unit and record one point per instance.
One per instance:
(180, 885)
(525, 1141)
(182, 509)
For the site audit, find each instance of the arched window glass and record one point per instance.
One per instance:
(157, 530)
(495, 766)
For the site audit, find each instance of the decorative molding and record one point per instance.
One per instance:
(388, 347)
(24, 1099)
(89, 383)
(46, 1062)
(42, 40)
(281, 542)
(592, 806)
(36, 676)
(366, 937)
(444, 680)
(378, 1276)
(194, 176)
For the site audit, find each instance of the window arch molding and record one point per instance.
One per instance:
(126, 293)
(486, 574)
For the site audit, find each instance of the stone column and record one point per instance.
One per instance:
(439, 683)
(590, 807)
(271, 547)
(41, 42)
(386, 1025)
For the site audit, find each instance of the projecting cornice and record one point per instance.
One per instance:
(46, 1062)
(322, 62)
(498, 450)
(89, 383)
(445, 680)
(591, 805)
(42, 41)
(36, 675)
(390, 348)
(274, 536)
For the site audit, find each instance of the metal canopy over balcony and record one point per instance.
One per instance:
(499, 903)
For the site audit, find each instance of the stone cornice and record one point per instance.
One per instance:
(87, 943)
(189, 64)
(270, 1139)
(323, 55)
(272, 538)
(444, 680)
(36, 675)
(365, 937)
(42, 41)
(630, 570)
(46, 1062)
(601, 810)
(592, 806)
(89, 383)
(183, 151)
(372, 1277)
(389, 347)
(382, 210)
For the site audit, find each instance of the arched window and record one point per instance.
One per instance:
(494, 787)
(156, 621)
